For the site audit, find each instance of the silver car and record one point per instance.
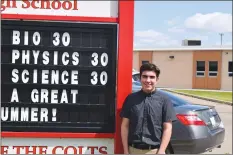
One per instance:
(199, 128)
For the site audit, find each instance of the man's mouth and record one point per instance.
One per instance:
(147, 85)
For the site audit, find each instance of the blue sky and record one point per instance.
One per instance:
(166, 24)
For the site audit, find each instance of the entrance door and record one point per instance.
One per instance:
(207, 69)
(212, 77)
(200, 74)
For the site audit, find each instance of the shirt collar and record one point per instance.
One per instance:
(148, 94)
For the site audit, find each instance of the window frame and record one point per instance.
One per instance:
(200, 71)
(211, 72)
(229, 73)
(146, 61)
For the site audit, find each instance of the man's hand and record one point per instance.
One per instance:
(161, 152)
(126, 152)
(167, 131)
(124, 134)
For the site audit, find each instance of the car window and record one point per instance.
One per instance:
(136, 77)
(137, 83)
(176, 101)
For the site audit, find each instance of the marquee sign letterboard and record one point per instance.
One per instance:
(58, 77)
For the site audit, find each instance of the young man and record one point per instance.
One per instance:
(147, 116)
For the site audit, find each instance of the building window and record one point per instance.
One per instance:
(145, 62)
(200, 69)
(230, 68)
(213, 68)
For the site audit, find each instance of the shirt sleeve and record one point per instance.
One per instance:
(125, 111)
(169, 113)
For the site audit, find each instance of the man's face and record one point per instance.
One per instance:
(148, 80)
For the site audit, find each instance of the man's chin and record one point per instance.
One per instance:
(147, 90)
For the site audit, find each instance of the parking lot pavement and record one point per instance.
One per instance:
(225, 112)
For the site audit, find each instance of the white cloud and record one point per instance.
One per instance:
(147, 40)
(151, 38)
(217, 21)
(150, 34)
(201, 37)
(176, 29)
(173, 21)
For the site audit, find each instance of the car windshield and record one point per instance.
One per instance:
(176, 101)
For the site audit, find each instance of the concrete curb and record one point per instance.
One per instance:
(203, 98)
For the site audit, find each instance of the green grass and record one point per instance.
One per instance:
(223, 96)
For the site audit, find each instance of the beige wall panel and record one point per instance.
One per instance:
(136, 60)
(226, 81)
(145, 56)
(176, 72)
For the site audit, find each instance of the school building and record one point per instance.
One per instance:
(190, 67)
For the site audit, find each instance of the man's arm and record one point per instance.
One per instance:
(169, 116)
(124, 134)
(167, 131)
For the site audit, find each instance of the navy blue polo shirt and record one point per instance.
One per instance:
(147, 113)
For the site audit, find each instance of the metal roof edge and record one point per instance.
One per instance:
(184, 48)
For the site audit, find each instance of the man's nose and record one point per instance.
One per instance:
(147, 79)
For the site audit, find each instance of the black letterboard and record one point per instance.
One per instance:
(58, 77)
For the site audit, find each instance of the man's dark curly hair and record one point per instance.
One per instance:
(150, 67)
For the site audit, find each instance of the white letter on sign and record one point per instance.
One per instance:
(104, 59)
(36, 38)
(45, 56)
(64, 97)
(15, 77)
(15, 55)
(75, 56)
(94, 80)
(74, 93)
(25, 57)
(65, 62)
(74, 77)
(45, 77)
(16, 38)
(34, 96)
(26, 38)
(36, 55)
(14, 97)
(56, 41)
(63, 79)
(66, 39)
(14, 114)
(34, 114)
(95, 61)
(24, 114)
(44, 96)
(4, 113)
(44, 115)
(24, 78)
(54, 94)
(103, 78)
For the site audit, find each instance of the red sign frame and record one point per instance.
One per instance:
(125, 21)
